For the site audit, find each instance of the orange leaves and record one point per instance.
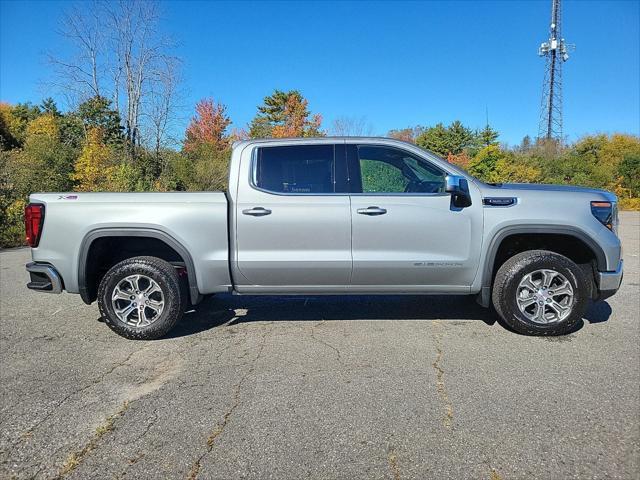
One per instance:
(462, 159)
(296, 119)
(285, 114)
(208, 126)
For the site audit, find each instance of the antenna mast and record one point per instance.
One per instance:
(556, 52)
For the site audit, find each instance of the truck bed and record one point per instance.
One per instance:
(197, 221)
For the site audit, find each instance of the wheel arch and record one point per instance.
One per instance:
(159, 235)
(489, 267)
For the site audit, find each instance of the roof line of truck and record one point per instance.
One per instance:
(315, 139)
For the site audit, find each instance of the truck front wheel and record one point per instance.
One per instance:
(140, 298)
(539, 292)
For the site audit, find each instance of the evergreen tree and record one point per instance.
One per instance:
(285, 114)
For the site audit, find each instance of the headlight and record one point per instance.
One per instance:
(606, 213)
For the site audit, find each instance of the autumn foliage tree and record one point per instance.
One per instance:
(43, 163)
(206, 148)
(409, 134)
(285, 114)
(208, 126)
(92, 169)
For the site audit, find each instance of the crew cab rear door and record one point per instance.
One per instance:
(407, 236)
(293, 220)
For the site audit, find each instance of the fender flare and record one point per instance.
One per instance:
(93, 235)
(488, 267)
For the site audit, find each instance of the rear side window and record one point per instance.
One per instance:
(296, 169)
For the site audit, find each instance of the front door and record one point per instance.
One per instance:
(294, 220)
(406, 234)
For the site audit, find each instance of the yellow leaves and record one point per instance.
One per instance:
(629, 204)
(8, 122)
(92, 168)
(45, 126)
(619, 145)
(14, 213)
(6, 117)
(516, 172)
(492, 164)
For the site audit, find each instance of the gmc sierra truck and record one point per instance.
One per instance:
(330, 216)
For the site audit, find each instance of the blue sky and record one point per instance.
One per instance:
(397, 64)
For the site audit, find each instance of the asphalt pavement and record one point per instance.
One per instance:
(392, 387)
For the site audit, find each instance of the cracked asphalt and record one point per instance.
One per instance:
(395, 387)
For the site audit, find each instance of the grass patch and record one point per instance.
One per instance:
(75, 458)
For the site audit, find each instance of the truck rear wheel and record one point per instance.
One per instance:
(141, 298)
(538, 292)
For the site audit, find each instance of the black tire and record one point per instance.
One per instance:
(505, 288)
(160, 271)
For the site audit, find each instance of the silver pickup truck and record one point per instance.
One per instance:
(330, 216)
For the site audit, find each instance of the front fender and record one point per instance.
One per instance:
(485, 273)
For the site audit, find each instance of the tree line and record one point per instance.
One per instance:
(122, 87)
(88, 149)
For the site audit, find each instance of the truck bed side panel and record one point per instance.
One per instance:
(197, 221)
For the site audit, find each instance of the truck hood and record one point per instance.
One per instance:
(497, 189)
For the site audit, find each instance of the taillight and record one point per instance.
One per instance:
(33, 220)
(603, 211)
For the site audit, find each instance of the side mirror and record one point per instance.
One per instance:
(458, 187)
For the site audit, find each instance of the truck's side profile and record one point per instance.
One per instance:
(330, 216)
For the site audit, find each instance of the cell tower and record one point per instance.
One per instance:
(556, 52)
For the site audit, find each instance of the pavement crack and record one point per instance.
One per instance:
(440, 383)
(220, 427)
(150, 425)
(326, 344)
(76, 457)
(29, 432)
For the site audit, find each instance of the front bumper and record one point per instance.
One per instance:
(44, 278)
(609, 282)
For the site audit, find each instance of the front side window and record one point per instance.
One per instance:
(296, 169)
(391, 170)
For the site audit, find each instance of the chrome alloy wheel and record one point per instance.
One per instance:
(137, 300)
(545, 296)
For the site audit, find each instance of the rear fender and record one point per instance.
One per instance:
(85, 246)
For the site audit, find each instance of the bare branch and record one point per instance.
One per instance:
(351, 127)
(119, 53)
(83, 28)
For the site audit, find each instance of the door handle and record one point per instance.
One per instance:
(257, 211)
(372, 211)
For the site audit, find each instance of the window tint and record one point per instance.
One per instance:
(296, 169)
(391, 170)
